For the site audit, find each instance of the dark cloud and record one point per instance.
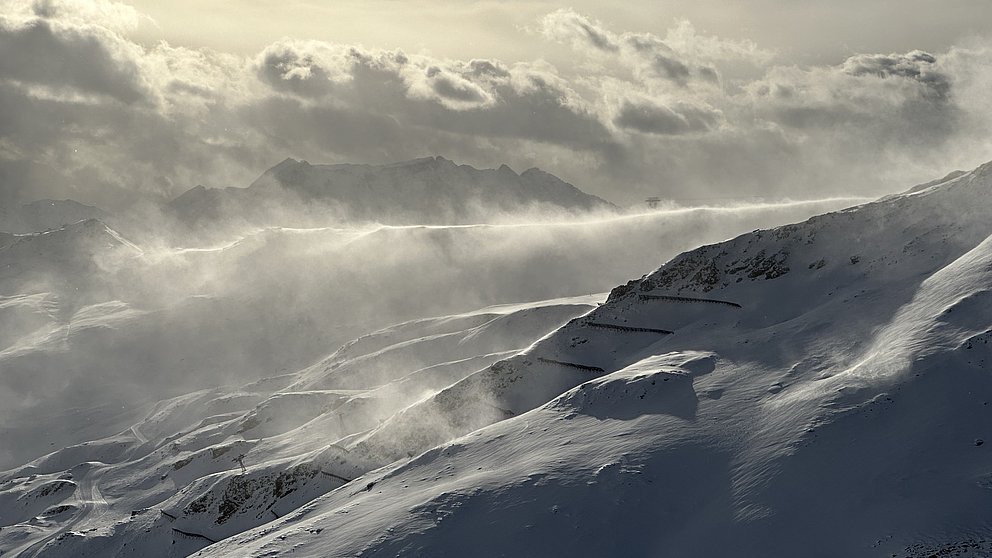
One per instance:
(658, 58)
(285, 68)
(652, 118)
(596, 38)
(709, 73)
(63, 58)
(487, 68)
(453, 89)
(670, 68)
(916, 65)
(458, 90)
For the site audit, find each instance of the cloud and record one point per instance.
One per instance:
(893, 99)
(652, 118)
(916, 65)
(682, 57)
(478, 99)
(651, 57)
(492, 69)
(87, 113)
(285, 68)
(53, 57)
(315, 68)
(451, 89)
(580, 31)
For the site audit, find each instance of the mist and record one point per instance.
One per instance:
(125, 324)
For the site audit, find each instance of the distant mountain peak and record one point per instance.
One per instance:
(430, 190)
(287, 162)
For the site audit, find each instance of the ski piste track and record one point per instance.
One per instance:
(138, 435)
(92, 505)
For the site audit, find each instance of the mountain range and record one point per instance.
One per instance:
(431, 190)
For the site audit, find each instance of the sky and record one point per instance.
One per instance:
(112, 103)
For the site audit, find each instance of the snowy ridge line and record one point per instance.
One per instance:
(167, 514)
(572, 365)
(619, 327)
(193, 535)
(687, 299)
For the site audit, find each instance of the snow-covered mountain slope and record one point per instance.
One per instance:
(173, 481)
(820, 389)
(71, 257)
(431, 190)
(45, 278)
(127, 327)
(46, 215)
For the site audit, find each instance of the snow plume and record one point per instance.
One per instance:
(92, 319)
(89, 113)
